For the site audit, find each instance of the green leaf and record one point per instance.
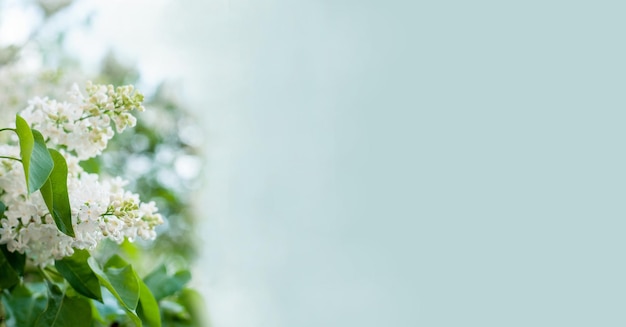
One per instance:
(186, 309)
(16, 260)
(122, 283)
(8, 275)
(63, 310)
(48, 197)
(148, 309)
(27, 142)
(41, 164)
(115, 261)
(35, 157)
(54, 193)
(124, 279)
(162, 284)
(77, 272)
(195, 306)
(25, 306)
(91, 165)
(109, 310)
(3, 208)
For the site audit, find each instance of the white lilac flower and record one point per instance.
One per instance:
(100, 209)
(83, 123)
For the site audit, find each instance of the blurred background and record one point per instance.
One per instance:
(344, 163)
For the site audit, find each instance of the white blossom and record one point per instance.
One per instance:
(82, 124)
(80, 127)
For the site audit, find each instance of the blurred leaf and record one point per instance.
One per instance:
(130, 249)
(9, 276)
(55, 195)
(25, 306)
(109, 310)
(63, 310)
(3, 208)
(163, 285)
(52, 7)
(175, 315)
(193, 302)
(90, 165)
(187, 309)
(16, 260)
(77, 272)
(36, 159)
(115, 261)
(8, 54)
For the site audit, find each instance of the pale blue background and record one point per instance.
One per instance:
(416, 163)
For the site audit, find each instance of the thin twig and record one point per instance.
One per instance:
(12, 158)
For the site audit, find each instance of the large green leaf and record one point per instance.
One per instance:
(148, 308)
(25, 306)
(8, 275)
(35, 157)
(162, 284)
(124, 279)
(54, 193)
(64, 311)
(122, 283)
(77, 272)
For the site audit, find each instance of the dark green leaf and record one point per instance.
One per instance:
(54, 193)
(16, 260)
(77, 272)
(25, 306)
(8, 275)
(3, 208)
(64, 311)
(35, 157)
(162, 285)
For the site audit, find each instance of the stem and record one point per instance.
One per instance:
(53, 272)
(12, 158)
(85, 117)
(45, 276)
(7, 129)
(94, 115)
